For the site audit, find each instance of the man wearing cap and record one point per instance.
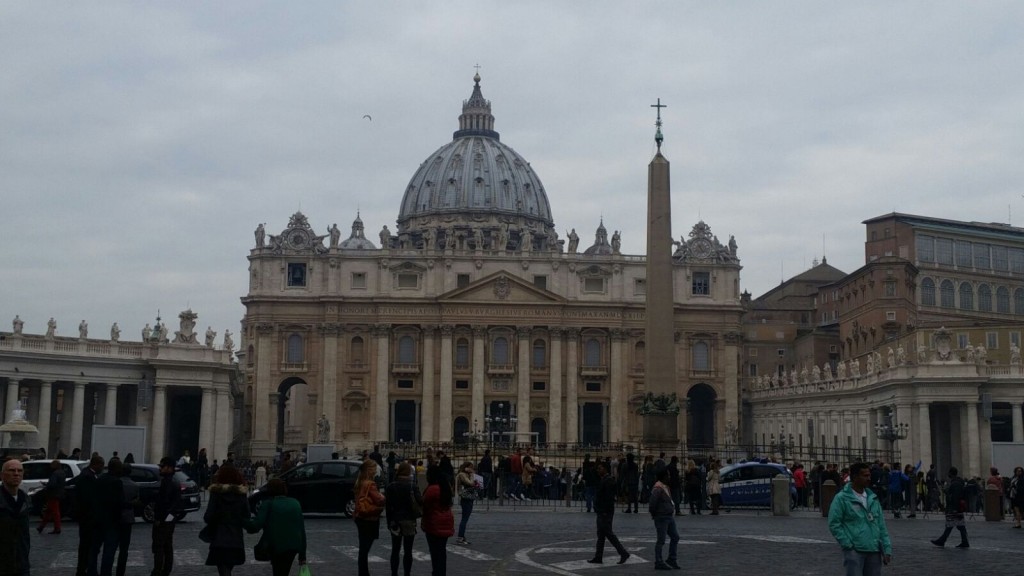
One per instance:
(165, 506)
(14, 535)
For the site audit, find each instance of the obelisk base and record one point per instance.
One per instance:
(661, 429)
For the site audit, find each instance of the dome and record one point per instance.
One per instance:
(601, 245)
(475, 182)
(357, 240)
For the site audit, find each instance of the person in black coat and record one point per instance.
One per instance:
(165, 505)
(109, 501)
(226, 515)
(630, 477)
(604, 505)
(85, 512)
(15, 543)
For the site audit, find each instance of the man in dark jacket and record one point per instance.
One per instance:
(486, 469)
(54, 492)
(109, 501)
(604, 505)
(85, 504)
(165, 505)
(590, 481)
(630, 478)
(14, 508)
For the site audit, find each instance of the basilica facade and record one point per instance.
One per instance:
(474, 319)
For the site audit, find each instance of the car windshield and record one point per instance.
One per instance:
(181, 477)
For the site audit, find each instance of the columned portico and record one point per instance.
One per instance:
(444, 423)
(555, 425)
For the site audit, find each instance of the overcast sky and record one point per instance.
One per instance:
(141, 143)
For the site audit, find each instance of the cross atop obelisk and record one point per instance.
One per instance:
(657, 135)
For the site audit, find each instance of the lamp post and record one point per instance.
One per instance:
(500, 423)
(782, 442)
(892, 431)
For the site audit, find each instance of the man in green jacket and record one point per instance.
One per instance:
(855, 520)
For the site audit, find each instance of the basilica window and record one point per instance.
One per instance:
(540, 354)
(1018, 301)
(540, 281)
(701, 359)
(946, 294)
(408, 281)
(925, 248)
(640, 287)
(359, 280)
(592, 352)
(499, 351)
(985, 298)
(701, 283)
(356, 350)
(992, 340)
(406, 350)
(1000, 258)
(296, 274)
(981, 257)
(462, 280)
(296, 349)
(944, 251)
(966, 296)
(928, 292)
(462, 353)
(1002, 300)
(593, 285)
(963, 254)
(1016, 260)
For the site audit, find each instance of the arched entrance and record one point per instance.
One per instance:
(700, 416)
(292, 405)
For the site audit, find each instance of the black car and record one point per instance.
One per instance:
(147, 476)
(320, 487)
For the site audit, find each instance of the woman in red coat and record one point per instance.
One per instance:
(438, 521)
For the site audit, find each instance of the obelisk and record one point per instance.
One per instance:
(661, 410)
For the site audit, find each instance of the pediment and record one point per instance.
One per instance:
(501, 287)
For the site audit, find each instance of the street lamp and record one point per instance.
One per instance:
(891, 431)
(499, 424)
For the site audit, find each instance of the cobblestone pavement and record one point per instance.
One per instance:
(553, 540)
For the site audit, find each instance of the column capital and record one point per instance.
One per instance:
(618, 334)
(555, 332)
(381, 330)
(264, 327)
(330, 328)
(524, 331)
(479, 331)
(572, 333)
(447, 330)
(429, 329)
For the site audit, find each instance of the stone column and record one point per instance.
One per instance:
(45, 416)
(77, 415)
(616, 389)
(874, 419)
(159, 427)
(207, 412)
(523, 384)
(333, 354)
(555, 419)
(572, 372)
(381, 396)
(1018, 422)
(110, 406)
(444, 421)
(274, 401)
(971, 440)
(224, 431)
(263, 434)
(479, 333)
(732, 385)
(13, 387)
(428, 403)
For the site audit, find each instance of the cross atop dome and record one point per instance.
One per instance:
(476, 118)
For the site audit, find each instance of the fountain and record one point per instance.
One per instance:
(22, 436)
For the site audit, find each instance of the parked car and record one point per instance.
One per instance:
(750, 483)
(147, 476)
(37, 472)
(320, 487)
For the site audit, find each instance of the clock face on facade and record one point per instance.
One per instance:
(702, 248)
(297, 239)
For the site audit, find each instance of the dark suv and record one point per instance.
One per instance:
(320, 487)
(147, 476)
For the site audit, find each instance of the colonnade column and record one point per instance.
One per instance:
(45, 409)
(329, 389)
(1018, 422)
(13, 387)
(77, 415)
(382, 414)
(261, 429)
(572, 408)
(110, 406)
(223, 429)
(616, 388)
(523, 385)
(428, 403)
(873, 422)
(555, 383)
(971, 441)
(479, 333)
(924, 434)
(444, 422)
(207, 412)
(158, 428)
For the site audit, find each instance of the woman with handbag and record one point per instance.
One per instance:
(438, 521)
(468, 490)
(284, 532)
(369, 505)
(404, 505)
(226, 515)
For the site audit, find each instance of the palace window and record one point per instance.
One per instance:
(1002, 300)
(1000, 258)
(357, 350)
(406, 350)
(295, 353)
(946, 294)
(925, 248)
(592, 352)
(966, 296)
(540, 386)
(1016, 260)
(992, 340)
(462, 384)
(405, 384)
(593, 386)
(752, 370)
(701, 361)
(1018, 301)
(296, 274)
(701, 283)
(928, 292)
(944, 251)
(540, 354)
(462, 353)
(499, 351)
(1015, 338)
(985, 298)
(963, 254)
(981, 258)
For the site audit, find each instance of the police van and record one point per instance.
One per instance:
(750, 483)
